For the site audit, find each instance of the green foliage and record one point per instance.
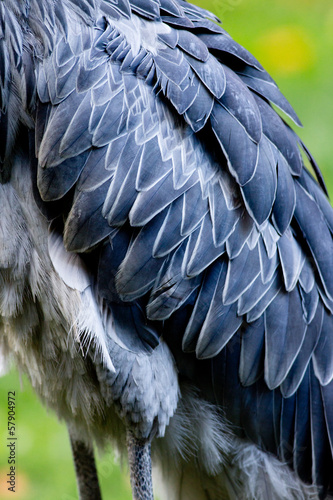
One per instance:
(293, 40)
(43, 456)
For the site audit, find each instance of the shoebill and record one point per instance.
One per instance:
(165, 255)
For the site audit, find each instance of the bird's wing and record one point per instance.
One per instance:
(186, 193)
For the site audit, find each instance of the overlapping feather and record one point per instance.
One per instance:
(168, 149)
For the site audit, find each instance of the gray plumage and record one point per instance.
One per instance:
(165, 256)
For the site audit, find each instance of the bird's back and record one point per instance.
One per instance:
(163, 248)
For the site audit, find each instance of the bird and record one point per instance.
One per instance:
(166, 250)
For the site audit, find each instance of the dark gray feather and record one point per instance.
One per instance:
(85, 225)
(284, 334)
(285, 199)
(242, 162)
(169, 236)
(322, 356)
(269, 90)
(251, 363)
(297, 372)
(238, 100)
(203, 251)
(150, 203)
(211, 74)
(171, 290)
(321, 451)
(199, 111)
(210, 281)
(291, 258)
(193, 46)
(138, 270)
(242, 271)
(317, 236)
(227, 44)
(224, 220)
(54, 182)
(259, 191)
(195, 207)
(279, 134)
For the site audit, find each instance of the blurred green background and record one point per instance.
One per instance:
(293, 39)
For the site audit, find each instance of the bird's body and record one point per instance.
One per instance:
(165, 257)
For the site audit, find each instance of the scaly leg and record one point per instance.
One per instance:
(86, 473)
(140, 467)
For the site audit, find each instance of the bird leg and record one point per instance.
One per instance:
(140, 467)
(86, 473)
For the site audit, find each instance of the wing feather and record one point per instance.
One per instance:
(259, 192)
(284, 329)
(321, 452)
(322, 358)
(302, 440)
(242, 161)
(251, 363)
(315, 231)
(207, 290)
(297, 372)
(160, 153)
